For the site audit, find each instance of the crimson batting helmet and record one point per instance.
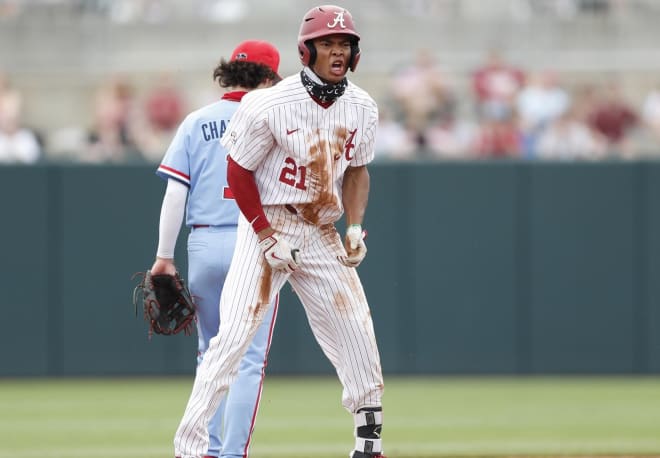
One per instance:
(322, 21)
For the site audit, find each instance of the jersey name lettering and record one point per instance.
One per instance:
(210, 130)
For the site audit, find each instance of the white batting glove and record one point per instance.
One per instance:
(356, 249)
(279, 254)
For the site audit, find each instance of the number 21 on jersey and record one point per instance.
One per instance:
(294, 174)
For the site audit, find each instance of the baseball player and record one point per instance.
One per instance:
(298, 156)
(195, 168)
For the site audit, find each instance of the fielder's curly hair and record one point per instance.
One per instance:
(244, 74)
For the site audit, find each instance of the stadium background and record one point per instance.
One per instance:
(58, 53)
(516, 301)
(504, 267)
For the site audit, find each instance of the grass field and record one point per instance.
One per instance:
(302, 417)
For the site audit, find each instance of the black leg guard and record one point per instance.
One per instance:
(368, 427)
(373, 427)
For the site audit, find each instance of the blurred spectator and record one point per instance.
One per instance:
(569, 138)
(9, 97)
(651, 114)
(422, 93)
(539, 103)
(451, 137)
(164, 105)
(583, 100)
(393, 140)
(9, 9)
(110, 138)
(496, 84)
(67, 143)
(162, 111)
(498, 137)
(18, 144)
(614, 118)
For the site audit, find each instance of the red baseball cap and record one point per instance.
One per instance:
(259, 52)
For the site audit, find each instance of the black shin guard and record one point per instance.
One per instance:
(368, 427)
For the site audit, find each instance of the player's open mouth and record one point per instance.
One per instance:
(337, 67)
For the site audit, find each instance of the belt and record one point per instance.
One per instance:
(197, 226)
(291, 209)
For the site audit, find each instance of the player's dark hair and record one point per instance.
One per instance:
(244, 74)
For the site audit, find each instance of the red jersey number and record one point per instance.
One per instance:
(226, 190)
(294, 175)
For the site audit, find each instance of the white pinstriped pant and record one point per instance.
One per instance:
(335, 304)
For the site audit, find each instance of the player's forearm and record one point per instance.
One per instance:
(171, 217)
(355, 194)
(245, 191)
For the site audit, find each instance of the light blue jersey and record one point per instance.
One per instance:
(196, 159)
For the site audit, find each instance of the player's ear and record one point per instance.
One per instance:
(311, 49)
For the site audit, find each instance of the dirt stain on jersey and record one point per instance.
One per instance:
(356, 288)
(265, 283)
(321, 171)
(339, 142)
(341, 301)
(331, 237)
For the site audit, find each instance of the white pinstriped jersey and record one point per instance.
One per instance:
(298, 149)
(298, 152)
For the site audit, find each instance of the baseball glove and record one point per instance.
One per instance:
(166, 302)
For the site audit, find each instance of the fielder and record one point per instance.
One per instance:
(195, 168)
(298, 156)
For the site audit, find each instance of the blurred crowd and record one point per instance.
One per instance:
(124, 127)
(497, 109)
(225, 11)
(510, 112)
(18, 143)
(503, 111)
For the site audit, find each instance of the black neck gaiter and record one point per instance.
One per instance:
(324, 93)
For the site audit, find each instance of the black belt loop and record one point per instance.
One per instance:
(291, 209)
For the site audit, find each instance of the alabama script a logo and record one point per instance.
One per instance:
(339, 20)
(349, 145)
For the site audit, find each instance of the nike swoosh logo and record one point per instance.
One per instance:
(289, 132)
(274, 256)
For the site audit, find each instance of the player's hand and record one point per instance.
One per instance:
(356, 249)
(163, 266)
(279, 253)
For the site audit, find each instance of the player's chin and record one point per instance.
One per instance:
(333, 78)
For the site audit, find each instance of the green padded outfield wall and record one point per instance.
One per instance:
(473, 268)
